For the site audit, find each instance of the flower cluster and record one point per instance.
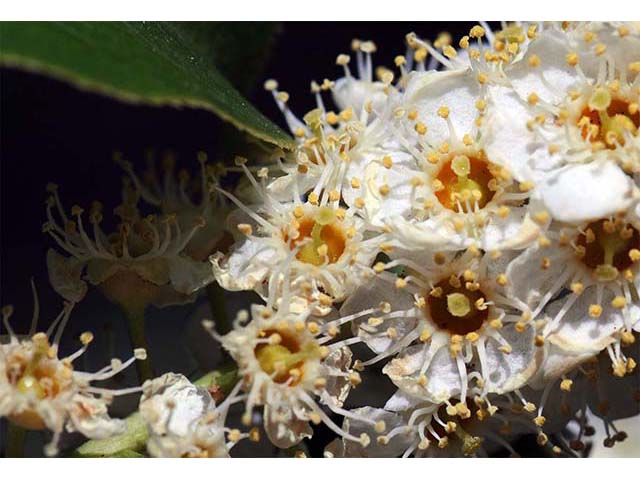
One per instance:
(472, 218)
(464, 227)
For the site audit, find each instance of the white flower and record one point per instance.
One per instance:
(597, 264)
(144, 257)
(452, 195)
(455, 330)
(327, 249)
(184, 421)
(289, 366)
(572, 100)
(39, 390)
(335, 148)
(356, 92)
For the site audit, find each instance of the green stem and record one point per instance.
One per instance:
(15, 440)
(135, 438)
(136, 324)
(218, 305)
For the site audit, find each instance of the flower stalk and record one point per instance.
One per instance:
(134, 316)
(15, 441)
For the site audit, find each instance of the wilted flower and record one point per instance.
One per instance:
(174, 195)
(142, 262)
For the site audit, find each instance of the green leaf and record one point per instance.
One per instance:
(239, 50)
(147, 62)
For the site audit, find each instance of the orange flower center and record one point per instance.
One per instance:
(464, 182)
(608, 120)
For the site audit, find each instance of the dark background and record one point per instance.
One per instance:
(53, 132)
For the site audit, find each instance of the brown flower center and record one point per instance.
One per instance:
(608, 247)
(457, 306)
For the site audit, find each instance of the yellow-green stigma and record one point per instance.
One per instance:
(464, 182)
(607, 119)
(285, 360)
(328, 239)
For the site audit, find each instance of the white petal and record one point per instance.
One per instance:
(246, 266)
(528, 281)
(577, 331)
(369, 296)
(443, 377)
(89, 416)
(506, 372)
(397, 445)
(509, 143)
(457, 89)
(354, 93)
(585, 192)
(552, 47)
(515, 231)
(401, 401)
(283, 428)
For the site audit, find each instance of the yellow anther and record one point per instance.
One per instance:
(476, 31)
(595, 311)
(618, 302)
(420, 54)
(573, 59)
(245, 228)
(420, 128)
(425, 335)
(600, 48)
(343, 59)
(86, 338)
(449, 51)
(627, 338)
(332, 118)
